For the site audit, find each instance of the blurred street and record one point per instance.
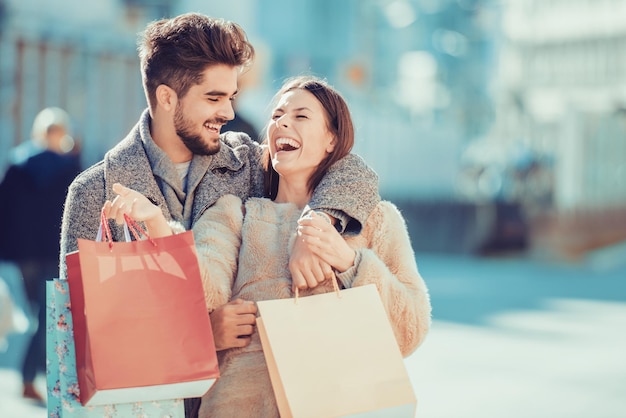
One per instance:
(510, 338)
(517, 339)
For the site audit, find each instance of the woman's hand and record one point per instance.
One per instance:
(135, 205)
(325, 241)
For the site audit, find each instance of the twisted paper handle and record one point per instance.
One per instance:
(335, 287)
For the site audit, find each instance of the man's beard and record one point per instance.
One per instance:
(193, 141)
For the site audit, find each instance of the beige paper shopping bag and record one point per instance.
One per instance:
(334, 354)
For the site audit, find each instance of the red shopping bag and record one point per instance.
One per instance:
(141, 326)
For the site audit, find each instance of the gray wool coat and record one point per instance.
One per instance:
(349, 191)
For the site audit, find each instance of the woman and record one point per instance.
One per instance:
(246, 257)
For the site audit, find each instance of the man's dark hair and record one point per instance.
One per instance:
(176, 51)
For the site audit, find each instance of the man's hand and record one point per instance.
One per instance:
(138, 207)
(233, 324)
(307, 269)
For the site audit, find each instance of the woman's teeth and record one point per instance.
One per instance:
(286, 144)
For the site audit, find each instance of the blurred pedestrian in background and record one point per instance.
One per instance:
(32, 193)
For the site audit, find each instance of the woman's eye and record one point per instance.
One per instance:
(301, 117)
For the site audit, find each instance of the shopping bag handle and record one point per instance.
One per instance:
(136, 229)
(104, 229)
(129, 225)
(335, 287)
(101, 228)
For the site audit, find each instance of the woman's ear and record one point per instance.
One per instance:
(166, 97)
(331, 145)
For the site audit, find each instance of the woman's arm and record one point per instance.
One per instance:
(390, 264)
(218, 238)
(348, 192)
(386, 260)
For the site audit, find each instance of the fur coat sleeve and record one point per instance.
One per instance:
(385, 258)
(217, 235)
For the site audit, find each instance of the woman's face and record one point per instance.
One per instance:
(298, 136)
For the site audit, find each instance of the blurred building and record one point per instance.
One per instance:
(561, 93)
(80, 56)
(463, 107)
(416, 74)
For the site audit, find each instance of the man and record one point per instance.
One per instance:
(177, 158)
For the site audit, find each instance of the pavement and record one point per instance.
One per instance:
(515, 338)
(511, 338)
(12, 405)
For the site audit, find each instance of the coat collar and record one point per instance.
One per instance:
(128, 163)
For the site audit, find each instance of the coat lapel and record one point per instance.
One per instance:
(209, 187)
(128, 164)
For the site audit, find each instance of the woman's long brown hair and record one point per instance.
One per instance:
(338, 121)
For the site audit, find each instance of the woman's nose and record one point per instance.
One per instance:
(281, 121)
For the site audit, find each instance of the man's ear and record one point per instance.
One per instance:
(166, 97)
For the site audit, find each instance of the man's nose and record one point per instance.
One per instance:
(227, 111)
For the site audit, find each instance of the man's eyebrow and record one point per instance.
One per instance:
(220, 93)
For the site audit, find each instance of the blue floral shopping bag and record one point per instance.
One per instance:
(62, 380)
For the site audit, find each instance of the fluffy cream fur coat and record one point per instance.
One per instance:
(248, 258)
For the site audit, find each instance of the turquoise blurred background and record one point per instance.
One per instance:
(498, 127)
(495, 125)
